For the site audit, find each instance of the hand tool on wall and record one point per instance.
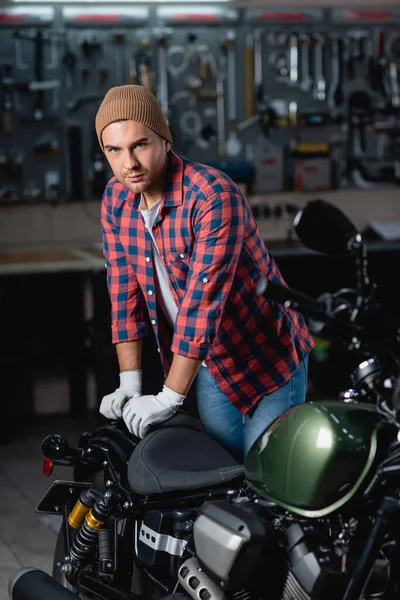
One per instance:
(355, 52)
(394, 66)
(319, 90)
(178, 60)
(220, 87)
(39, 86)
(118, 40)
(74, 157)
(203, 66)
(394, 49)
(69, 60)
(380, 65)
(144, 61)
(258, 71)
(277, 38)
(350, 57)
(335, 96)
(233, 143)
(7, 97)
(46, 145)
(11, 165)
(306, 81)
(38, 70)
(249, 75)
(162, 37)
(20, 65)
(258, 87)
(52, 186)
(394, 84)
(98, 170)
(293, 59)
(279, 65)
(103, 74)
(360, 115)
(73, 105)
(90, 47)
(190, 123)
(132, 70)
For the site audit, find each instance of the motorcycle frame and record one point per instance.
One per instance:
(106, 451)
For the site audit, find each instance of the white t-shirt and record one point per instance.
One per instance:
(164, 297)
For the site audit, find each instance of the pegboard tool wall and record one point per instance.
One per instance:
(279, 99)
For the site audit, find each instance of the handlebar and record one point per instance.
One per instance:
(315, 309)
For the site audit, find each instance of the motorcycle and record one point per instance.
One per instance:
(321, 518)
(313, 514)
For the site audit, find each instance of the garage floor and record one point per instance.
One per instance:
(27, 539)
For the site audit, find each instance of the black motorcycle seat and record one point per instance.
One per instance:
(178, 457)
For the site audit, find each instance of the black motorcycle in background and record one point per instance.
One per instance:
(313, 514)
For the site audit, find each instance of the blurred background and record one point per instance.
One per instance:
(295, 100)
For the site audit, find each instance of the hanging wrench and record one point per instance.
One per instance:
(394, 85)
(233, 144)
(161, 38)
(293, 59)
(306, 81)
(335, 95)
(220, 80)
(319, 91)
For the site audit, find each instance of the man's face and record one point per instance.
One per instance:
(137, 156)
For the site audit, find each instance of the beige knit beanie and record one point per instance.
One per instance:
(133, 102)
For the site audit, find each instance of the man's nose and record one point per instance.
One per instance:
(130, 161)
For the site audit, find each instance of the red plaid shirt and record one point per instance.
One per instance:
(213, 253)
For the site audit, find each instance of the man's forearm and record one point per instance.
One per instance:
(182, 373)
(129, 355)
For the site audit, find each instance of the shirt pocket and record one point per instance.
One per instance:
(178, 263)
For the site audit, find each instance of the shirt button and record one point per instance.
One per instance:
(148, 259)
(150, 292)
(153, 321)
(182, 256)
(158, 350)
(205, 280)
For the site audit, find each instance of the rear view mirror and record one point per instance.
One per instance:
(324, 228)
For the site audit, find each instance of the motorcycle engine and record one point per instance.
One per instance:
(239, 554)
(314, 569)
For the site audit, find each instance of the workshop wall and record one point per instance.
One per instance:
(278, 106)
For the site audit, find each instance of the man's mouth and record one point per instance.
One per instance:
(135, 178)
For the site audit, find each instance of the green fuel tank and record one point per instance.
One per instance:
(315, 456)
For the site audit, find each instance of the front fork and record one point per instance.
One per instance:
(359, 579)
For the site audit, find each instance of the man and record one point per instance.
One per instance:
(180, 239)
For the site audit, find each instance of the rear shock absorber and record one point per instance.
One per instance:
(82, 506)
(87, 536)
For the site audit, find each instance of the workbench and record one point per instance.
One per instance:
(55, 310)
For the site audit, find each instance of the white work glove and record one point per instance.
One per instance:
(141, 412)
(130, 386)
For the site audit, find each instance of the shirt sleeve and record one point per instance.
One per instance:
(127, 302)
(219, 231)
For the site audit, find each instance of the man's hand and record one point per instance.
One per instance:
(141, 412)
(130, 387)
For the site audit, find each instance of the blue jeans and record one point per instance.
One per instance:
(237, 432)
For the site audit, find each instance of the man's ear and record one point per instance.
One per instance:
(167, 146)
